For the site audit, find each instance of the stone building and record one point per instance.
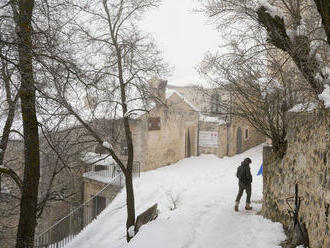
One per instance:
(181, 124)
(185, 126)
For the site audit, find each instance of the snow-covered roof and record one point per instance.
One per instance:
(170, 92)
(97, 159)
(97, 176)
(206, 118)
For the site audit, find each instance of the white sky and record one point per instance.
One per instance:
(183, 36)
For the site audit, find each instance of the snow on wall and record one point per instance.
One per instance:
(272, 10)
(325, 96)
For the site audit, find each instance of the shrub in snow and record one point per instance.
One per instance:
(173, 199)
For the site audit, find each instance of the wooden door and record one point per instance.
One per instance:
(239, 141)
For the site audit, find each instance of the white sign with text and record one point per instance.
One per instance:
(208, 139)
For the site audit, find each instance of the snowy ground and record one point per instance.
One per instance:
(204, 190)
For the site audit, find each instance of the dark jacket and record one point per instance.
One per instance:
(244, 173)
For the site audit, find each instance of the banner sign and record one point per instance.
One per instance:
(208, 139)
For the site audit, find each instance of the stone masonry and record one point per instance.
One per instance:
(307, 163)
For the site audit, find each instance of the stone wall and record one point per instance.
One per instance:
(307, 163)
(92, 187)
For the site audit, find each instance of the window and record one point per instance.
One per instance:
(100, 167)
(154, 123)
(246, 133)
(215, 103)
(123, 148)
(99, 204)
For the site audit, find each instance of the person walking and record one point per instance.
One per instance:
(244, 183)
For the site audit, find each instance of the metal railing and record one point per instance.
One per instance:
(102, 173)
(64, 230)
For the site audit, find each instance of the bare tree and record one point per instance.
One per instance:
(109, 79)
(9, 105)
(8, 191)
(248, 90)
(279, 60)
(115, 85)
(297, 27)
(24, 39)
(22, 17)
(323, 7)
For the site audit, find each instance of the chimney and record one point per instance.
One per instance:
(158, 89)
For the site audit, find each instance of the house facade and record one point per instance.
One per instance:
(184, 126)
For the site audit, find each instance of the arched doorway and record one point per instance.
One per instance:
(239, 141)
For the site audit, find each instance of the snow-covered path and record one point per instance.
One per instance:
(203, 190)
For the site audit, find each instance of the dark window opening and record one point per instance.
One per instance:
(154, 123)
(246, 133)
(239, 141)
(215, 103)
(100, 167)
(99, 204)
(123, 148)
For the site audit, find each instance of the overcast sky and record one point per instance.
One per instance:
(183, 36)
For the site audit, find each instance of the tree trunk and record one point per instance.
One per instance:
(298, 49)
(130, 203)
(128, 176)
(29, 198)
(5, 134)
(323, 7)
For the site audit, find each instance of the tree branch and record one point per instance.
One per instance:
(12, 174)
(323, 7)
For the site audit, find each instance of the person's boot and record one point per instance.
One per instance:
(247, 206)
(236, 206)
